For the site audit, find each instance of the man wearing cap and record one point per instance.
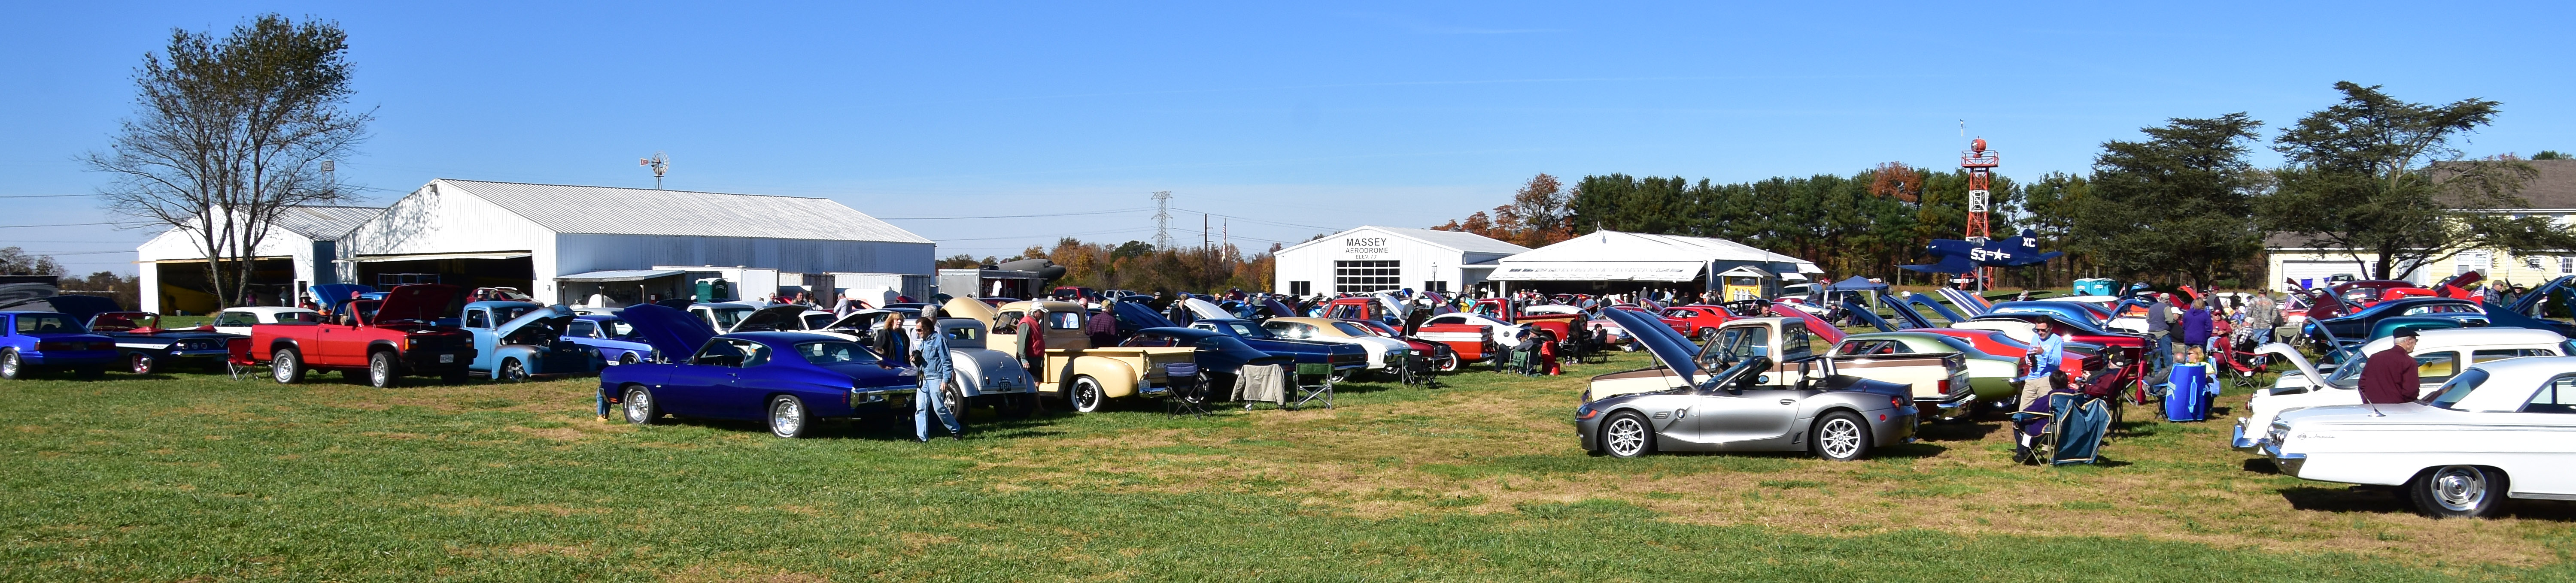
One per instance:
(2389, 376)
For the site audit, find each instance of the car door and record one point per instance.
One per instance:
(699, 387)
(2541, 439)
(1736, 419)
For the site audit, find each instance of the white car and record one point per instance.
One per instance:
(1312, 329)
(2439, 354)
(239, 320)
(2503, 429)
(987, 376)
(1502, 331)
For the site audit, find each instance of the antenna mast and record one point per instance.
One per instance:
(659, 163)
(1163, 220)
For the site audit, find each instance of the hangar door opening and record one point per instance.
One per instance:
(185, 288)
(465, 270)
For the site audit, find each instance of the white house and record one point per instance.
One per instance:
(2552, 193)
(1373, 258)
(562, 244)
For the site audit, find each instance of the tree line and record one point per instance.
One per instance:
(2373, 174)
(1140, 266)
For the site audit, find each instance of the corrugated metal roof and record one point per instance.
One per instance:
(640, 211)
(328, 223)
(1616, 246)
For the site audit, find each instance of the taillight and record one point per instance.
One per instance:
(1900, 401)
(1945, 386)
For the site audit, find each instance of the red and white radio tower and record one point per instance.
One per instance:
(1980, 165)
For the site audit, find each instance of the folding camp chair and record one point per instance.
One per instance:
(1416, 370)
(1308, 393)
(238, 361)
(1188, 390)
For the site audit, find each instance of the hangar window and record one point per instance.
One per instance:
(2567, 265)
(1366, 276)
(1301, 288)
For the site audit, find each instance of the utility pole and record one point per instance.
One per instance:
(1162, 220)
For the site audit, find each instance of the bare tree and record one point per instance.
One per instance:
(232, 132)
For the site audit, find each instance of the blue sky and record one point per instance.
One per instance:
(1300, 120)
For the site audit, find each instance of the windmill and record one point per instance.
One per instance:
(659, 163)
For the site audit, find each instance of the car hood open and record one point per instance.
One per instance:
(334, 295)
(2292, 354)
(1675, 354)
(552, 317)
(1142, 315)
(423, 302)
(674, 333)
(860, 320)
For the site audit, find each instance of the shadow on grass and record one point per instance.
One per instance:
(1968, 431)
(2372, 499)
(2261, 466)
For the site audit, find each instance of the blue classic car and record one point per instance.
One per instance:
(148, 347)
(1219, 356)
(788, 379)
(517, 340)
(2358, 325)
(32, 341)
(1344, 359)
(611, 337)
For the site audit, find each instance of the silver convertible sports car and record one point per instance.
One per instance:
(1837, 417)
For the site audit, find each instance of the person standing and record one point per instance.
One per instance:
(931, 355)
(2046, 357)
(891, 343)
(1033, 340)
(2389, 377)
(2196, 325)
(2160, 328)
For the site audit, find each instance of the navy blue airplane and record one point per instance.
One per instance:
(1957, 256)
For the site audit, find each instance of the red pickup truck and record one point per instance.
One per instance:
(388, 339)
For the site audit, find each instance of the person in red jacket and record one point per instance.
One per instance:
(2389, 376)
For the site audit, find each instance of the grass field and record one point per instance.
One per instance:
(202, 478)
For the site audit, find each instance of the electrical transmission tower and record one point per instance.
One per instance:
(1163, 220)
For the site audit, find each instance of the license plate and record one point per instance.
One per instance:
(446, 358)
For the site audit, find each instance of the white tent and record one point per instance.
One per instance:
(1618, 256)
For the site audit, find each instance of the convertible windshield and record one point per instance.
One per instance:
(2459, 388)
(835, 353)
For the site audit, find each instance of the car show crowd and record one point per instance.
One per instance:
(2381, 382)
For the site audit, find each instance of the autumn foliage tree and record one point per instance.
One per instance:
(1537, 216)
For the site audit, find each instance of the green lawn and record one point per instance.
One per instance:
(202, 478)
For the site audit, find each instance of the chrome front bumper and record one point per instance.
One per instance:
(2240, 442)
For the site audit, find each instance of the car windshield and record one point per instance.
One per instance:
(122, 322)
(2450, 394)
(47, 324)
(829, 352)
(1248, 330)
(304, 317)
(504, 315)
(727, 317)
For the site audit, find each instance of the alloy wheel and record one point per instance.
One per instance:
(1626, 436)
(512, 370)
(140, 363)
(1840, 438)
(9, 367)
(786, 417)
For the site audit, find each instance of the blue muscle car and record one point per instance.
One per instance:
(788, 379)
(1343, 358)
(31, 341)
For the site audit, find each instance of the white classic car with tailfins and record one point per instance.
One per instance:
(2501, 429)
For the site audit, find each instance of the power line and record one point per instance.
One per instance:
(1258, 221)
(1001, 215)
(61, 225)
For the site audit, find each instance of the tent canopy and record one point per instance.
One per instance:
(1618, 256)
(1857, 283)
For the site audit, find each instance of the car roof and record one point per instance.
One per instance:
(488, 304)
(2525, 374)
(2439, 338)
(1171, 331)
(598, 317)
(267, 309)
(782, 337)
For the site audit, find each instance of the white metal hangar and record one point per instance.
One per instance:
(1373, 258)
(544, 238)
(297, 252)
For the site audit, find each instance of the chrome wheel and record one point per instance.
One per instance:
(639, 408)
(787, 417)
(140, 363)
(9, 366)
(1625, 435)
(287, 367)
(513, 371)
(380, 369)
(2457, 491)
(1086, 395)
